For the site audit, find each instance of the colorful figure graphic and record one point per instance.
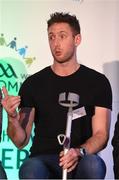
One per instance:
(2, 40)
(12, 44)
(29, 60)
(22, 51)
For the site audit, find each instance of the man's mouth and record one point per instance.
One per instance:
(58, 53)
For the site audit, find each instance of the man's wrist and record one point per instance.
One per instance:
(82, 151)
(14, 115)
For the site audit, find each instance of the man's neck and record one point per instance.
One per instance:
(65, 69)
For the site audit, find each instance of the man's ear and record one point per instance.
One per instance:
(77, 39)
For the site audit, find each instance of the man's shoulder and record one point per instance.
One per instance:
(91, 70)
(43, 72)
(92, 73)
(95, 76)
(37, 77)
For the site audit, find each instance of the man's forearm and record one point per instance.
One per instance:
(16, 133)
(96, 143)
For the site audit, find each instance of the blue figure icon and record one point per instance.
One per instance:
(22, 51)
(12, 44)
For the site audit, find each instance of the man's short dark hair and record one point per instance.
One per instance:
(59, 17)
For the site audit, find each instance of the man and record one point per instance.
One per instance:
(38, 103)
(2, 171)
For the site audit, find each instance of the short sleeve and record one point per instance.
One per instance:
(103, 97)
(26, 94)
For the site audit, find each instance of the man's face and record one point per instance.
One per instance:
(62, 42)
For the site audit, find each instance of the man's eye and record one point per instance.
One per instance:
(51, 37)
(63, 36)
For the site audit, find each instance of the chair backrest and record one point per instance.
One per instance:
(115, 144)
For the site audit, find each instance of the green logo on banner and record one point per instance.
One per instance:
(13, 71)
(12, 74)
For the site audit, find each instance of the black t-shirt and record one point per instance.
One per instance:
(42, 90)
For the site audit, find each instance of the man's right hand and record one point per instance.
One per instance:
(10, 103)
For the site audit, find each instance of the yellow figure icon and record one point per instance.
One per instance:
(29, 60)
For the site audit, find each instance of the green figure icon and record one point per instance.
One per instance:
(2, 40)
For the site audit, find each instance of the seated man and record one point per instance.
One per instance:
(38, 104)
(2, 171)
(115, 144)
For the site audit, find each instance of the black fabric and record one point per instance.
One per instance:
(42, 90)
(115, 144)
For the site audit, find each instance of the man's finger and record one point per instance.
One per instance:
(5, 92)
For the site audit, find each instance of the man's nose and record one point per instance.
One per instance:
(57, 42)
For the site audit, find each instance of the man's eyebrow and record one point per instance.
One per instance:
(63, 32)
(50, 33)
(58, 32)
